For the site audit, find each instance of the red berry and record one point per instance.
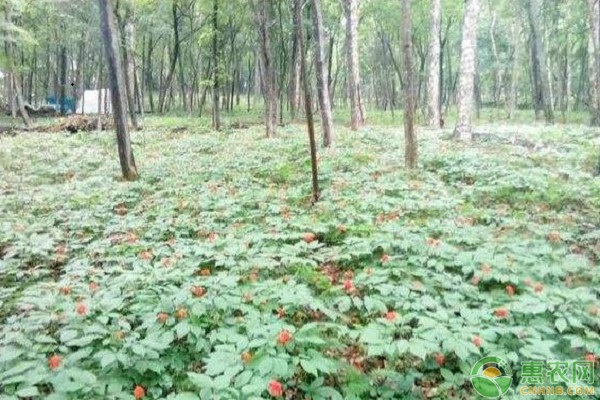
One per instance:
(275, 389)
(510, 290)
(348, 285)
(440, 359)
(501, 313)
(284, 337)
(54, 361)
(81, 309)
(139, 392)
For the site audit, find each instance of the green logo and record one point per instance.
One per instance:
(491, 377)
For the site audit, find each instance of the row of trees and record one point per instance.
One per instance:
(176, 54)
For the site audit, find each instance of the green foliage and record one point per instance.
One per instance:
(213, 236)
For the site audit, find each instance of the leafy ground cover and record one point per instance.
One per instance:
(213, 277)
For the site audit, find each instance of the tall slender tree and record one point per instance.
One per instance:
(269, 77)
(295, 84)
(410, 146)
(15, 82)
(216, 112)
(308, 111)
(352, 62)
(466, 79)
(433, 83)
(322, 75)
(110, 37)
(594, 13)
(541, 84)
(129, 42)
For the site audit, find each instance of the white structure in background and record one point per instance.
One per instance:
(94, 101)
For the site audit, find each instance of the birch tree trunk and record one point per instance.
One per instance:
(322, 76)
(514, 71)
(433, 82)
(594, 61)
(466, 79)
(541, 84)
(497, 88)
(294, 91)
(129, 32)
(410, 145)
(308, 111)
(117, 88)
(216, 113)
(352, 61)
(14, 83)
(269, 78)
(166, 84)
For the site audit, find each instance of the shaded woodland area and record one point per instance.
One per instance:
(314, 199)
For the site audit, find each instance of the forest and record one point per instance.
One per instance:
(299, 199)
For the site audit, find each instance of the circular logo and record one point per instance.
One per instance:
(491, 377)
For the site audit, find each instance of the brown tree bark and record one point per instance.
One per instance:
(62, 100)
(594, 61)
(309, 115)
(433, 83)
(410, 145)
(466, 79)
(269, 80)
(14, 83)
(294, 91)
(166, 84)
(541, 84)
(352, 61)
(129, 32)
(117, 88)
(216, 113)
(322, 76)
(514, 71)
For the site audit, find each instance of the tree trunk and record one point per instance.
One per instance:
(309, 113)
(352, 61)
(514, 71)
(433, 83)
(149, 79)
(117, 89)
(541, 83)
(594, 61)
(497, 87)
(12, 75)
(294, 92)
(322, 79)
(410, 145)
(216, 113)
(166, 85)
(466, 80)
(62, 101)
(129, 52)
(269, 80)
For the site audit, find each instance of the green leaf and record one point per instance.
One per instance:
(201, 381)
(561, 324)
(309, 367)
(9, 354)
(30, 391)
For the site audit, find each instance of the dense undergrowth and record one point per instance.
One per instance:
(213, 277)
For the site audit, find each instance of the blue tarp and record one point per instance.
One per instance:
(67, 102)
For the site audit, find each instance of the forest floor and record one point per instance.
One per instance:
(213, 276)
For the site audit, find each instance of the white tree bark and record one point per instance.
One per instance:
(322, 76)
(352, 60)
(466, 80)
(433, 83)
(269, 80)
(594, 60)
